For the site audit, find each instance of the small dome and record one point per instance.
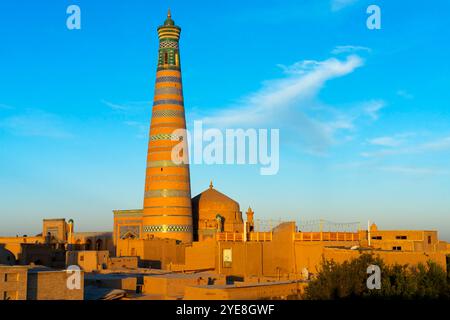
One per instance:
(210, 205)
(169, 21)
(211, 199)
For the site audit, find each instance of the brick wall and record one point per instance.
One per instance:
(52, 285)
(13, 283)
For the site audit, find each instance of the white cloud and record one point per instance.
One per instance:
(305, 80)
(291, 103)
(35, 123)
(300, 67)
(349, 49)
(115, 106)
(337, 5)
(405, 94)
(439, 145)
(415, 170)
(141, 127)
(374, 165)
(128, 107)
(5, 106)
(386, 141)
(372, 108)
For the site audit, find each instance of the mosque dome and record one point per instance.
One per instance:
(211, 205)
(169, 22)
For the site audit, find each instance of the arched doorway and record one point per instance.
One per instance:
(78, 245)
(99, 245)
(88, 244)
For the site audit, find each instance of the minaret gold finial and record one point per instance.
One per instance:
(211, 185)
(169, 15)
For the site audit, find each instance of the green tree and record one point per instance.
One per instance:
(348, 280)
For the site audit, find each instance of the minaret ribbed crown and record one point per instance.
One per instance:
(169, 35)
(167, 199)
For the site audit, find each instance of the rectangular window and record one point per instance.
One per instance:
(397, 248)
(227, 257)
(429, 239)
(11, 277)
(401, 237)
(10, 295)
(377, 238)
(82, 258)
(53, 231)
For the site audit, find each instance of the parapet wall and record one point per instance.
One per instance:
(270, 290)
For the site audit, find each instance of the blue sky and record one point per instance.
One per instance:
(363, 114)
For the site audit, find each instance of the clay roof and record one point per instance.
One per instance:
(211, 198)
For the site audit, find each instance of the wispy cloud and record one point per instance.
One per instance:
(131, 113)
(405, 94)
(415, 170)
(305, 79)
(349, 49)
(128, 107)
(115, 106)
(392, 141)
(36, 123)
(5, 106)
(373, 108)
(386, 141)
(292, 103)
(141, 127)
(337, 5)
(439, 145)
(374, 165)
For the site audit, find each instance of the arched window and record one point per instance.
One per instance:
(88, 244)
(98, 245)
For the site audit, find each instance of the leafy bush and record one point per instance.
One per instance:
(347, 280)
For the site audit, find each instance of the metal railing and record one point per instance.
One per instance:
(326, 236)
(237, 236)
(298, 236)
(260, 236)
(229, 236)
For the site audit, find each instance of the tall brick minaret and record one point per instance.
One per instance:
(167, 199)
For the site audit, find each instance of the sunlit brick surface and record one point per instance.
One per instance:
(167, 198)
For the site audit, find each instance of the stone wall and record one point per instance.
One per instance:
(117, 263)
(271, 290)
(88, 260)
(13, 283)
(52, 285)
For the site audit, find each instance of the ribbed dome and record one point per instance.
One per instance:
(211, 203)
(211, 199)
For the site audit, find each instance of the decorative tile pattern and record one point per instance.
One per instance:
(167, 201)
(168, 79)
(168, 101)
(168, 228)
(167, 193)
(168, 90)
(168, 44)
(134, 230)
(168, 207)
(164, 164)
(167, 113)
(166, 136)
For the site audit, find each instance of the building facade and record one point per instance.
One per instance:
(167, 200)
